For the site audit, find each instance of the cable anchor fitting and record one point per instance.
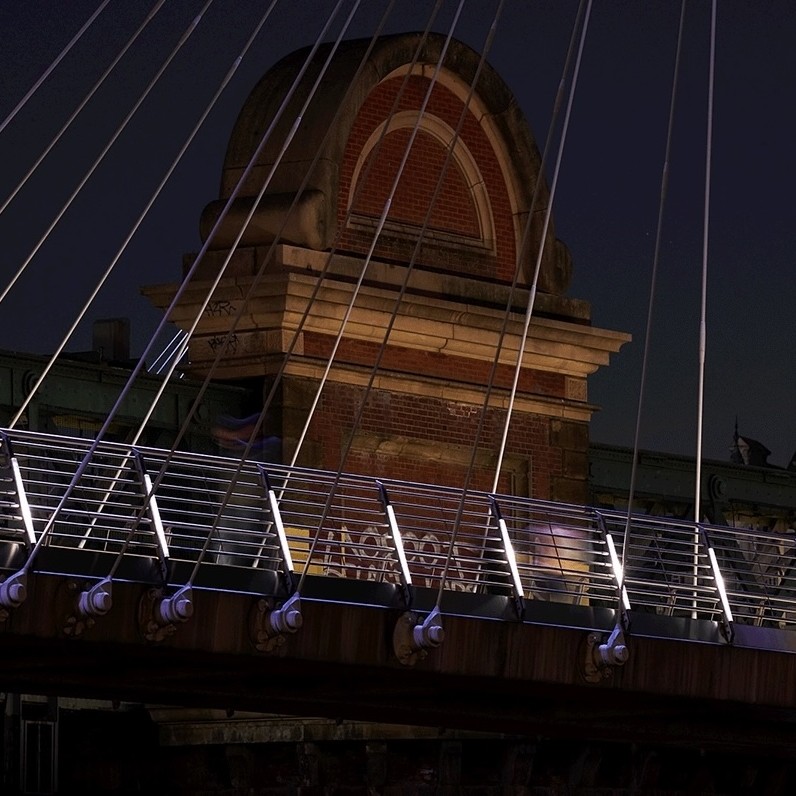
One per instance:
(96, 601)
(413, 639)
(604, 656)
(158, 616)
(268, 625)
(13, 592)
(176, 609)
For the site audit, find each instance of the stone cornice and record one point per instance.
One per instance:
(432, 323)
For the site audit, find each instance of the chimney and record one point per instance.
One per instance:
(111, 339)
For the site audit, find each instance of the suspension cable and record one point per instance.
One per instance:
(258, 424)
(405, 281)
(322, 274)
(254, 205)
(540, 252)
(379, 227)
(183, 39)
(703, 309)
(255, 282)
(651, 302)
(319, 281)
(103, 279)
(703, 302)
(355, 292)
(222, 270)
(35, 87)
(498, 348)
(178, 344)
(150, 16)
(174, 348)
(164, 320)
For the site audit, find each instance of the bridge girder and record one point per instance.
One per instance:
(516, 677)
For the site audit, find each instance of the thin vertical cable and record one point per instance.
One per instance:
(376, 235)
(366, 263)
(35, 87)
(177, 296)
(703, 308)
(540, 252)
(319, 281)
(239, 236)
(407, 273)
(498, 347)
(653, 283)
(174, 348)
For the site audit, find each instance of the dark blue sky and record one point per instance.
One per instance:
(605, 209)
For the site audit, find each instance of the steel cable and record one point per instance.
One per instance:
(183, 39)
(47, 72)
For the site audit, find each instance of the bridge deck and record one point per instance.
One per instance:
(179, 574)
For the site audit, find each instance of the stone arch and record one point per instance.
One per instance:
(315, 224)
(461, 158)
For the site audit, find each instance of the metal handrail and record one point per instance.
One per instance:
(555, 553)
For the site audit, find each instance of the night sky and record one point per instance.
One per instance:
(605, 210)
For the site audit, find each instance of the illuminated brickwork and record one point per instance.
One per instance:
(467, 188)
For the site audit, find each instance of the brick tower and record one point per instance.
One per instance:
(421, 415)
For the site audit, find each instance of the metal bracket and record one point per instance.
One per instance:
(603, 655)
(412, 639)
(97, 600)
(153, 511)
(10, 461)
(727, 621)
(727, 629)
(158, 616)
(89, 604)
(268, 624)
(288, 570)
(175, 609)
(13, 591)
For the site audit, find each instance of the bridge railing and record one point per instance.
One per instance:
(759, 570)
(216, 513)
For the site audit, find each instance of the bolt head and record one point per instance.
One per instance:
(621, 653)
(17, 593)
(183, 609)
(293, 620)
(436, 635)
(101, 602)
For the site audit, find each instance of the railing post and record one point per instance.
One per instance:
(14, 589)
(269, 623)
(398, 545)
(511, 559)
(727, 621)
(603, 655)
(153, 511)
(288, 571)
(19, 488)
(617, 570)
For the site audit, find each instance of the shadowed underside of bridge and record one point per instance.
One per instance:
(501, 676)
(188, 593)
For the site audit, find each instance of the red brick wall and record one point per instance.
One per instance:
(418, 181)
(438, 423)
(433, 364)
(453, 211)
(431, 438)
